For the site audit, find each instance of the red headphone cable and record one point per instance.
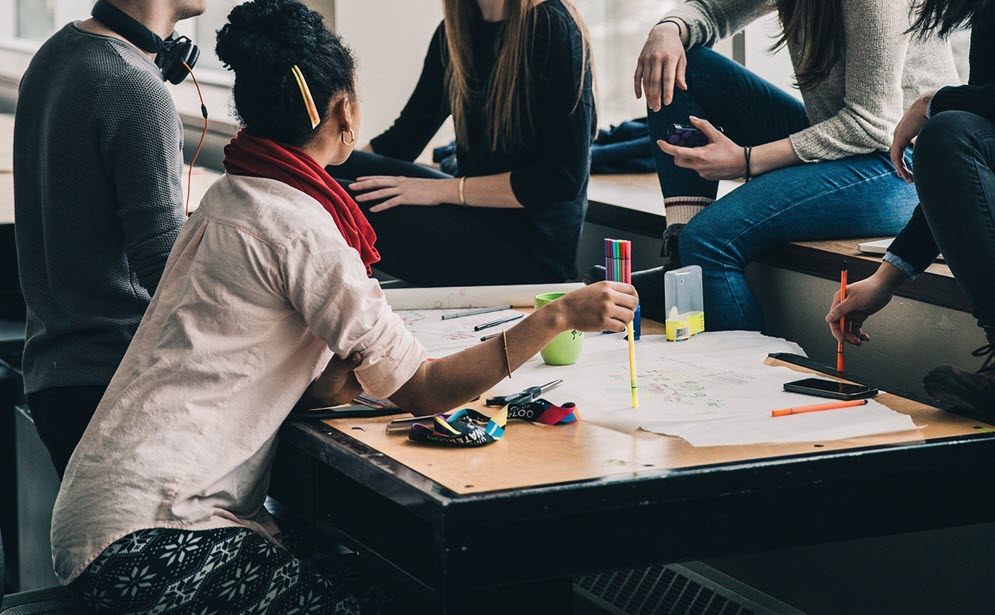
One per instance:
(203, 134)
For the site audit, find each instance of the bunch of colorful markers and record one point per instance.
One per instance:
(618, 265)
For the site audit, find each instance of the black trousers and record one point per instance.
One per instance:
(445, 245)
(955, 177)
(61, 416)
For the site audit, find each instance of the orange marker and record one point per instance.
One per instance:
(839, 346)
(818, 407)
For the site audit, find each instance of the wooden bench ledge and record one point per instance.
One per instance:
(632, 203)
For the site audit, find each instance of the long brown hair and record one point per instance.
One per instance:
(506, 95)
(817, 26)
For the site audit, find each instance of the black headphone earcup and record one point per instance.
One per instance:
(171, 60)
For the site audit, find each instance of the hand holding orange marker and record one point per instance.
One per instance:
(839, 346)
(818, 407)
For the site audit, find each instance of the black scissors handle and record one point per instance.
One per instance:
(522, 397)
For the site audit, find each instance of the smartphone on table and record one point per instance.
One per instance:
(830, 388)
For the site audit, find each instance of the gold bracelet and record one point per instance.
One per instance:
(462, 194)
(507, 360)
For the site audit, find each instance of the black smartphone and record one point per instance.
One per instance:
(683, 135)
(830, 388)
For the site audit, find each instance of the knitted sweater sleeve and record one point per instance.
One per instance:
(713, 20)
(873, 61)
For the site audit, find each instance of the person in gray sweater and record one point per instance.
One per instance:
(98, 205)
(817, 168)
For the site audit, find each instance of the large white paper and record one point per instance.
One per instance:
(522, 295)
(712, 390)
(446, 337)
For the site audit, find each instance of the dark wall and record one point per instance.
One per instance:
(11, 301)
(10, 393)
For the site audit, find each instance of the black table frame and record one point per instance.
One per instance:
(463, 553)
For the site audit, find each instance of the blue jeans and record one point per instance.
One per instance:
(859, 196)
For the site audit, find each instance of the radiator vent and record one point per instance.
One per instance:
(676, 589)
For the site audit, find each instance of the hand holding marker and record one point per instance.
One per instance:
(618, 265)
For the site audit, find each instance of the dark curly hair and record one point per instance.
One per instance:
(262, 40)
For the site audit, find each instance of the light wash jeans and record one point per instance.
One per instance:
(859, 196)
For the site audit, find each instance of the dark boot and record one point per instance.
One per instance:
(649, 282)
(971, 391)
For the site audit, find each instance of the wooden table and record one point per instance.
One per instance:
(505, 527)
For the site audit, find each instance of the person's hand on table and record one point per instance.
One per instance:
(336, 385)
(605, 306)
(396, 191)
(720, 159)
(661, 65)
(906, 131)
(863, 300)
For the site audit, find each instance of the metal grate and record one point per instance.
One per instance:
(677, 589)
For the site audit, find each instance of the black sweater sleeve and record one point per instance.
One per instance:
(976, 99)
(915, 244)
(979, 96)
(426, 110)
(563, 126)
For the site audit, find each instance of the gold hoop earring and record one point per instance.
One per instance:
(352, 137)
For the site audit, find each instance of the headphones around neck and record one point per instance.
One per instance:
(170, 54)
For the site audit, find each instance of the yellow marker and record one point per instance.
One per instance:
(632, 365)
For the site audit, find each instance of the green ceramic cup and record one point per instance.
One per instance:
(565, 347)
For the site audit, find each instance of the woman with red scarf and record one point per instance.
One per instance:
(266, 300)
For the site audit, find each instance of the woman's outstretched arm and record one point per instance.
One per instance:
(442, 385)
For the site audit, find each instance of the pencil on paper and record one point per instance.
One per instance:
(818, 407)
(475, 312)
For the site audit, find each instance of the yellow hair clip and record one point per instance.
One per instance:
(312, 110)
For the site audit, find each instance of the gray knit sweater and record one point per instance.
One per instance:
(97, 202)
(881, 72)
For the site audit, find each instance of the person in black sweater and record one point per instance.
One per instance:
(954, 165)
(520, 93)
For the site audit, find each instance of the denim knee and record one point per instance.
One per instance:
(947, 138)
(946, 150)
(699, 245)
(701, 58)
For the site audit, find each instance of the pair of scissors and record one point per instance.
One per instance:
(523, 397)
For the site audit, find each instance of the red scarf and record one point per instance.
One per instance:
(255, 157)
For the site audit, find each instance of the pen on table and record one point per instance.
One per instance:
(491, 336)
(495, 323)
(476, 312)
(818, 407)
(839, 345)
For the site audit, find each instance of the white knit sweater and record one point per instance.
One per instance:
(881, 71)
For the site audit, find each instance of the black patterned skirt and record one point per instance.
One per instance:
(228, 570)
